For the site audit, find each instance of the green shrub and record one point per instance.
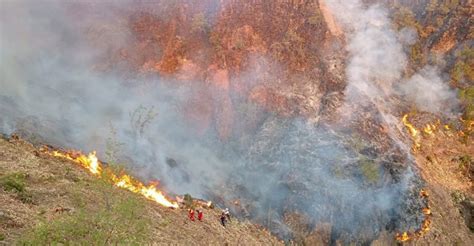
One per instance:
(462, 70)
(188, 201)
(467, 98)
(13, 182)
(25, 197)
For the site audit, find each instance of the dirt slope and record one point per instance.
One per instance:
(45, 200)
(450, 188)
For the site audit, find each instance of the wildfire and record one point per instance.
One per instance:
(424, 193)
(91, 163)
(424, 227)
(150, 191)
(413, 132)
(429, 129)
(403, 237)
(409, 126)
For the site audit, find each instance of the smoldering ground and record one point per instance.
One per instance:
(50, 85)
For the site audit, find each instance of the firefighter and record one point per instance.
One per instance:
(227, 213)
(200, 214)
(191, 214)
(223, 219)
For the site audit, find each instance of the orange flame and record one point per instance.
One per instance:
(403, 237)
(90, 162)
(409, 126)
(429, 129)
(413, 132)
(93, 165)
(150, 191)
(424, 227)
(424, 193)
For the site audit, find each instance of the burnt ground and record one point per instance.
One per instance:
(54, 200)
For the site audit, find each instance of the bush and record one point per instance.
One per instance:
(188, 201)
(467, 98)
(13, 182)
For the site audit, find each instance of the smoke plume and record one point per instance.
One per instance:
(53, 88)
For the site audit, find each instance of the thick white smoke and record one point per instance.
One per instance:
(429, 92)
(50, 86)
(377, 62)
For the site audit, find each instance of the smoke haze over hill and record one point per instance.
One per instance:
(53, 84)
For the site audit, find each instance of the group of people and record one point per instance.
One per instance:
(225, 216)
(191, 212)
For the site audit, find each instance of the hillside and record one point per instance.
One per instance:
(326, 122)
(444, 161)
(48, 200)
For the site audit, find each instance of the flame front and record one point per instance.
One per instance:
(150, 192)
(413, 132)
(409, 126)
(403, 237)
(430, 130)
(424, 227)
(91, 163)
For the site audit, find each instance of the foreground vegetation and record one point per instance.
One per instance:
(49, 201)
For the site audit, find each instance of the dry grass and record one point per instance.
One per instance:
(65, 204)
(439, 164)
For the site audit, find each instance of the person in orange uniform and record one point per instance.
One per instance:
(191, 214)
(200, 214)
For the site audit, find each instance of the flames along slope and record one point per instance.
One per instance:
(428, 130)
(424, 227)
(91, 163)
(416, 137)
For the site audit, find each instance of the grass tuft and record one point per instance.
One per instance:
(13, 182)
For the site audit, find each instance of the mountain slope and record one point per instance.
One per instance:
(47, 200)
